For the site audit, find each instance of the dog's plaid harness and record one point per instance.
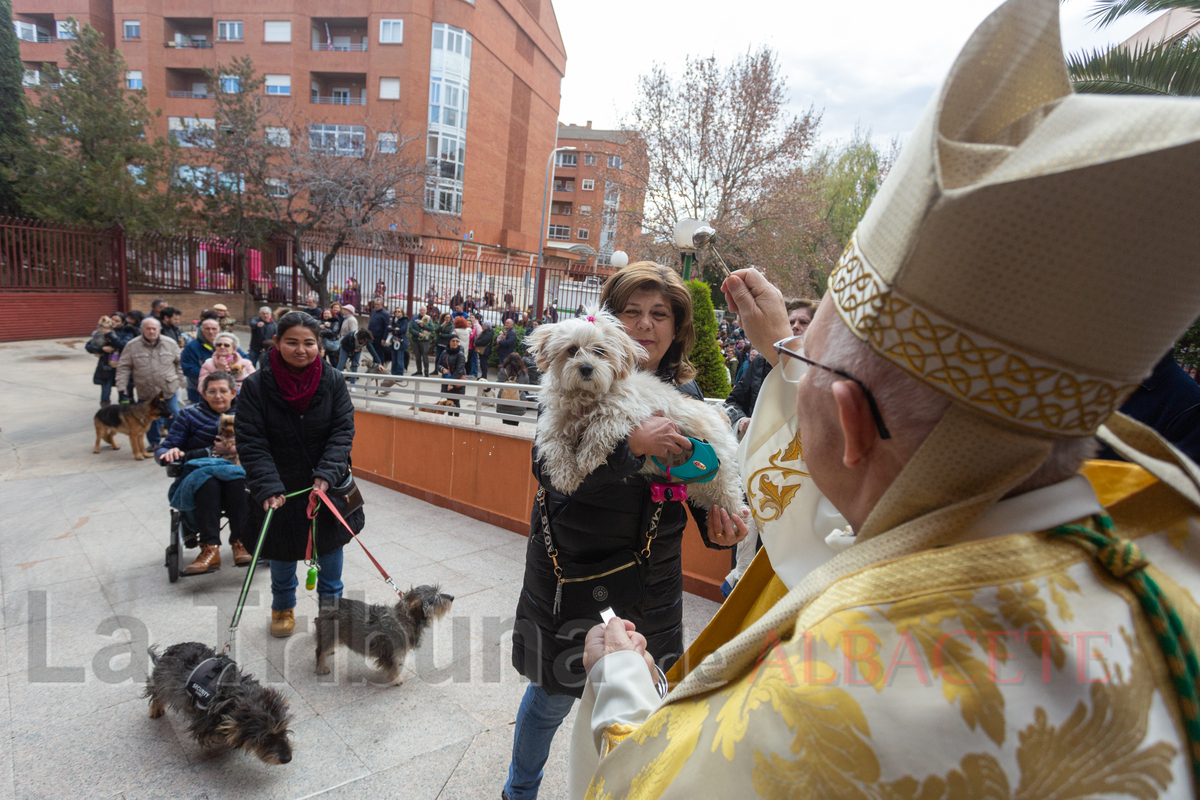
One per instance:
(202, 682)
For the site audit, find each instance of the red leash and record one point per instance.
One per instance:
(329, 504)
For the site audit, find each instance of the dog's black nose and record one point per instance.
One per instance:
(449, 597)
(285, 758)
(586, 370)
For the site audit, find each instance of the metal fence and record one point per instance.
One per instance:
(401, 269)
(413, 394)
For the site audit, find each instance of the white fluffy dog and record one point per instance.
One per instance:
(593, 395)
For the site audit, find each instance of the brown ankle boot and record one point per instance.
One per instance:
(241, 556)
(283, 622)
(209, 560)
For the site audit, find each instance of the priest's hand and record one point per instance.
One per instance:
(760, 308)
(619, 634)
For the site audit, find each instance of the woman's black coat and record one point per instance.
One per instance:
(609, 512)
(283, 451)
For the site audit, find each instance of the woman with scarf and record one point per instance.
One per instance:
(295, 426)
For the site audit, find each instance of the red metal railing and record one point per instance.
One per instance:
(38, 256)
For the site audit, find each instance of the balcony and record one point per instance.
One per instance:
(338, 100)
(186, 45)
(334, 47)
(188, 95)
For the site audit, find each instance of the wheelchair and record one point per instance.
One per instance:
(182, 536)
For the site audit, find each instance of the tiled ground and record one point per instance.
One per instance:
(84, 591)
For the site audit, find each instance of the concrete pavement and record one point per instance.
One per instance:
(84, 591)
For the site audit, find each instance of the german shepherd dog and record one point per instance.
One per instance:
(133, 421)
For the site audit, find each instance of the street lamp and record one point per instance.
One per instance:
(685, 230)
(542, 232)
(619, 259)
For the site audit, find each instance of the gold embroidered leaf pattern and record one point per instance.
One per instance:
(844, 631)
(684, 723)
(777, 778)
(771, 499)
(965, 678)
(980, 778)
(795, 450)
(775, 498)
(1058, 581)
(1025, 611)
(1097, 751)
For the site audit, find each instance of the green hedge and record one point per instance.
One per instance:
(711, 374)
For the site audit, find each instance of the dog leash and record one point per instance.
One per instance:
(237, 612)
(387, 578)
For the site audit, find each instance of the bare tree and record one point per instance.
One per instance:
(345, 185)
(711, 143)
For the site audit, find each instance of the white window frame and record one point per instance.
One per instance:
(589, 184)
(568, 185)
(136, 24)
(267, 27)
(357, 134)
(278, 82)
(566, 160)
(31, 77)
(187, 125)
(129, 79)
(276, 188)
(582, 234)
(235, 81)
(389, 95)
(585, 210)
(387, 142)
(559, 233)
(26, 31)
(391, 31)
(222, 27)
(62, 29)
(277, 136)
(614, 162)
(589, 159)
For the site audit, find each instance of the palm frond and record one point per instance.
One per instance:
(1169, 69)
(1107, 12)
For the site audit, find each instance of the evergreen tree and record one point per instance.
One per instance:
(711, 375)
(92, 161)
(12, 111)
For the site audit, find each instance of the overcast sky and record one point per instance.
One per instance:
(875, 62)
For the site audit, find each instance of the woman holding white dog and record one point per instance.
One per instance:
(610, 512)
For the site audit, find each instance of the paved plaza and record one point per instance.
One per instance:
(84, 591)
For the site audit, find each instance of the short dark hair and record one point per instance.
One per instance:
(364, 336)
(208, 313)
(219, 376)
(156, 303)
(296, 318)
(137, 317)
(170, 311)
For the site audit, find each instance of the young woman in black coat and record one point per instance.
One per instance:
(295, 427)
(610, 512)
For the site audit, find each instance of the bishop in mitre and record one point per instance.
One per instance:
(999, 617)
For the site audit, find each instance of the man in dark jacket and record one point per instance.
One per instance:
(196, 352)
(739, 406)
(509, 313)
(313, 309)
(378, 324)
(453, 364)
(483, 347)
(506, 341)
(262, 329)
(170, 324)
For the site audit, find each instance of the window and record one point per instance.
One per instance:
(279, 137)
(449, 82)
(276, 188)
(588, 184)
(199, 178)
(566, 160)
(389, 197)
(279, 84)
(26, 31)
(589, 160)
(387, 142)
(562, 232)
(389, 88)
(564, 184)
(341, 97)
(582, 233)
(32, 77)
(561, 209)
(391, 31)
(191, 131)
(231, 84)
(133, 79)
(229, 31)
(62, 30)
(342, 140)
(275, 31)
(614, 162)
(133, 29)
(585, 210)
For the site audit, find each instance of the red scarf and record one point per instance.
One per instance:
(297, 390)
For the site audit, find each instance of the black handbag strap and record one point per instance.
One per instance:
(548, 539)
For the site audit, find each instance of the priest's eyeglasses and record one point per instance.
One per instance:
(790, 359)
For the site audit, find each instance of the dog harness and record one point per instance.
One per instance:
(202, 682)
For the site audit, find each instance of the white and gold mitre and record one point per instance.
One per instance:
(1033, 252)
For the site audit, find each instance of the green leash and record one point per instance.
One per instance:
(1125, 561)
(237, 612)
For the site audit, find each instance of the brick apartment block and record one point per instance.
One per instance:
(349, 62)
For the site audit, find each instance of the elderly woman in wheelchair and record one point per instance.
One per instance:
(208, 481)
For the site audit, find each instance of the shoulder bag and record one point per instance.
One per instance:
(584, 590)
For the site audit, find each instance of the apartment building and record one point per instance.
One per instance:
(586, 225)
(479, 78)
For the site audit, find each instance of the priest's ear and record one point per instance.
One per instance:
(858, 424)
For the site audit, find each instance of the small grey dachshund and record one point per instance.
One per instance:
(228, 710)
(386, 633)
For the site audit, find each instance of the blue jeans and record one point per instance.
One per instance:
(473, 364)
(538, 720)
(284, 581)
(154, 434)
(106, 389)
(399, 361)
